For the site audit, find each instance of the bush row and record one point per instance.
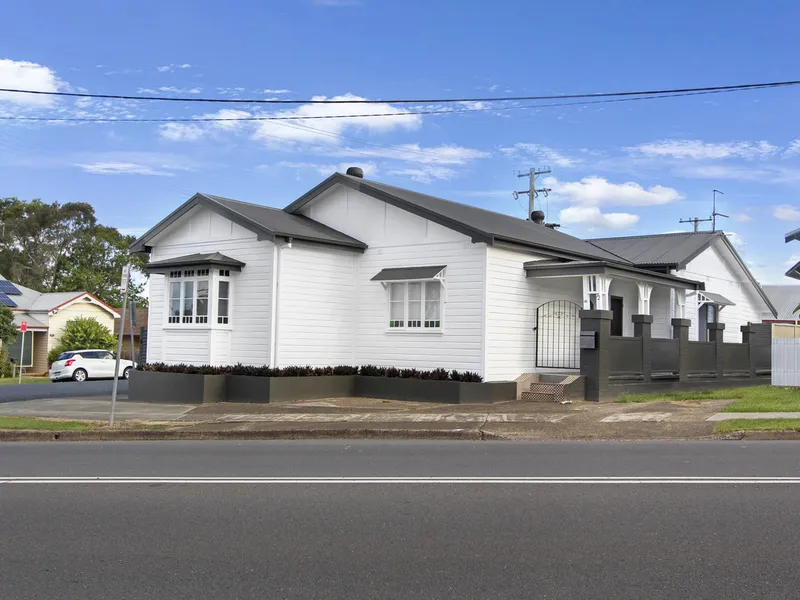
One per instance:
(366, 370)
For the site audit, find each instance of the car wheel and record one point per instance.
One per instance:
(126, 374)
(79, 375)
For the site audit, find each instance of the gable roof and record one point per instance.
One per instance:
(480, 224)
(668, 249)
(785, 298)
(267, 222)
(44, 302)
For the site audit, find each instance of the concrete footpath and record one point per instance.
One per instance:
(384, 419)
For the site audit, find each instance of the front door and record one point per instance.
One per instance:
(616, 320)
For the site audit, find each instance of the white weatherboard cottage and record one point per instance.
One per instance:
(358, 272)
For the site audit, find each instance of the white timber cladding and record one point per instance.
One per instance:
(661, 310)
(398, 238)
(717, 268)
(511, 303)
(317, 305)
(247, 337)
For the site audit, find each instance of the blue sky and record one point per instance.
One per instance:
(618, 169)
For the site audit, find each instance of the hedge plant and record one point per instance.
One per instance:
(307, 371)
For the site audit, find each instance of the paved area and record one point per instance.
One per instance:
(32, 391)
(754, 415)
(682, 535)
(93, 409)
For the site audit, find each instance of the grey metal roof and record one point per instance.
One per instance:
(794, 272)
(575, 268)
(668, 249)
(793, 235)
(482, 225)
(785, 298)
(717, 299)
(263, 220)
(213, 258)
(33, 323)
(406, 273)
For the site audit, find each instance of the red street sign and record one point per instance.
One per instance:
(23, 327)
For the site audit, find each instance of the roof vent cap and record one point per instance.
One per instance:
(537, 217)
(355, 172)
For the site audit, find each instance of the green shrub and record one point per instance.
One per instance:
(82, 333)
(306, 371)
(6, 366)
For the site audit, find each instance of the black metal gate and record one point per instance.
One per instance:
(558, 330)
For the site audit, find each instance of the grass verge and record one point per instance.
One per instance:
(14, 381)
(762, 398)
(757, 425)
(44, 424)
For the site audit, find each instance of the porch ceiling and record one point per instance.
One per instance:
(550, 269)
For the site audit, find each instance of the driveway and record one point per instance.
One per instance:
(69, 389)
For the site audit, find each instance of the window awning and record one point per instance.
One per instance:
(712, 298)
(195, 260)
(794, 272)
(408, 273)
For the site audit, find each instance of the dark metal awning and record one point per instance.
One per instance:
(552, 269)
(408, 273)
(712, 298)
(196, 260)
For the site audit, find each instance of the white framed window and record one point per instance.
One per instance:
(415, 305)
(223, 300)
(188, 297)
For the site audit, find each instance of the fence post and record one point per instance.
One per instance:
(680, 332)
(716, 332)
(643, 328)
(596, 362)
(748, 337)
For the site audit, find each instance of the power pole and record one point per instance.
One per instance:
(714, 213)
(533, 192)
(696, 221)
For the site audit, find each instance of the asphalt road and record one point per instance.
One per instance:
(355, 539)
(66, 389)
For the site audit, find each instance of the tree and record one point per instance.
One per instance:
(61, 248)
(81, 333)
(8, 331)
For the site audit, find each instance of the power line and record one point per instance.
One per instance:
(356, 116)
(731, 88)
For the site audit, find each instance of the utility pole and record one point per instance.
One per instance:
(533, 192)
(696, 221)
(714, 213)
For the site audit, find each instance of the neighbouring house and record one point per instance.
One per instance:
(360, 272)
(139, 322)
(46, 315)
(785, 298)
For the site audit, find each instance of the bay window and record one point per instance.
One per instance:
(415, 305)
(189, 298)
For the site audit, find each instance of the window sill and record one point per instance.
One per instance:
(398, 331)
(203, 327)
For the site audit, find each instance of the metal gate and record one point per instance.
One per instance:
(558, 326)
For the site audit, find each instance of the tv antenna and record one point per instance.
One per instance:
(714, 213)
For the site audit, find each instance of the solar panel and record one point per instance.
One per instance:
(6, 287)
(6, 301)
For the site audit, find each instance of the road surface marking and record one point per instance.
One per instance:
(645, 417)
(676, 480)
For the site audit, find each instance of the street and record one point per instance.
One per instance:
(271, 534)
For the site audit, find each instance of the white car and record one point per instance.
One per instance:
(80, 365)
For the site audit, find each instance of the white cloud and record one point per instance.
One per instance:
(276, 92)
(172, 67)
(540, 152)
(594, 191)
(170, 88)
(735, 239)
(425, 173)
(741, 217)
(592, 217)
(440, 155)
(697, 149)
(794, 148)
(791, 261)
(768, 173)
(24, 75)
(121, 168)
(181, 132)
(786, 212)
(370, 169)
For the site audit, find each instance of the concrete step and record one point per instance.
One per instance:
(551, 387)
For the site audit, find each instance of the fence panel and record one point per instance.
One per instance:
(736, 357)
(786, 361)
(626, 355)
(702, 357)
(664, 356)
